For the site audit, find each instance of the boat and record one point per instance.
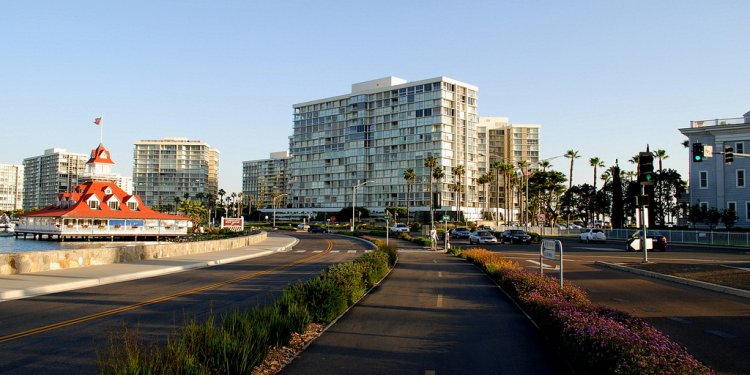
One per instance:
(7, 228)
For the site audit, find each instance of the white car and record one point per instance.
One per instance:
(482, 237)
(593, 235)
(400, 228)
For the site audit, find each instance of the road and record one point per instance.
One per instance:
(61, 333)
(435, 314)
(715, 327)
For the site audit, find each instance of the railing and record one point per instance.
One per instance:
(97, 230)
(697, 237)
(715, 122)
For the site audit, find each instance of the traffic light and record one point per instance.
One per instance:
(698, 152)
(728, 154)
(646, 174)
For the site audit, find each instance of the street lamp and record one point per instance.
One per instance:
(275, 199)
(354, 199)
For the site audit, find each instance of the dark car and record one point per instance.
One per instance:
(460, 233)
(317, 229)
(659, 240)
(515, 236)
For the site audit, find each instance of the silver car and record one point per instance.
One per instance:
(482, 237)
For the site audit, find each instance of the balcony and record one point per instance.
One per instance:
(719, 122)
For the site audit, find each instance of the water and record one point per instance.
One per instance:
(13, 245)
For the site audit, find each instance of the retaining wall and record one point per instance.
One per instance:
(37, 261)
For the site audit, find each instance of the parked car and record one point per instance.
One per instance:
(515, 236)
(482, 237)
(460, 233)
(593, 235)
(317, 229)
(659, 240)
(399, 228)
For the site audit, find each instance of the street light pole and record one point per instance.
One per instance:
(275, 199)
(354, 200)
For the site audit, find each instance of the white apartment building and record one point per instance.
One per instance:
(11, 187)
(169, 168)
(264, 179)
(370, 136)
(56, 171)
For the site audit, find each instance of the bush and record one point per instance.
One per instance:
(535, 237)
(596, 340)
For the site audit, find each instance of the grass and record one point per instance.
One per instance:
(237, 342)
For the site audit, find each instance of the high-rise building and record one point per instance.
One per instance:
(11, 187)
(367, 139)
(262, 180)
(169, 168)
(45, 176)
(502, 141)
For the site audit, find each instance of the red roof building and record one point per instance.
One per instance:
(99, 208)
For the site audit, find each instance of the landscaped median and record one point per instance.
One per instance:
(239, 341)
(593, 339)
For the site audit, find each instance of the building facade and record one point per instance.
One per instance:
(11, 187)
(714, 183)
(262, 180)
(46, 175)
(169, 168)
(367, 139)
(504, 142)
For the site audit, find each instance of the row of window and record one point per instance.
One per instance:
(731, 206)
(739, 179)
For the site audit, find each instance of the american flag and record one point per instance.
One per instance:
(98, 121)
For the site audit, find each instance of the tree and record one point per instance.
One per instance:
(507, 169)
(661, 155)
(547, 187)
(595, 162)
(572, 155)
(483, 180)
(697, 214)
(670, 185)
(544, 164)
(410, 176)
(617, 215)
(221, 193)
(177, 204)
(713, 216)
(729, 218)
(431, 163)
(458, 171)
(497, 167)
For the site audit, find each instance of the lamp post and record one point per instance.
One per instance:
(275, 199)
(354, 199)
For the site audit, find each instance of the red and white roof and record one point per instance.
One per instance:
(100, 155)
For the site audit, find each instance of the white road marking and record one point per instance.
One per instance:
(737, 268)
(334, 251)
(317, 251)
(434, 261)
(368, 251)
(679, 320)
(546, 266)
(721, 334)
(300, 251)
(601, 249)
(440, 274)
(351, 251)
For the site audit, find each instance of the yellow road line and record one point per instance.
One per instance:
(66, 323)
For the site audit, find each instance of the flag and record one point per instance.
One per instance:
(98, 121)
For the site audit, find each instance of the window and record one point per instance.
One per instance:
(732, 206)
(747, 211)
(740, 178)
(114, 205)
(94, 204)
(704, 206)
(739, 147)
(703, 179)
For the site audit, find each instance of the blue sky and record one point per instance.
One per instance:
(601, 77)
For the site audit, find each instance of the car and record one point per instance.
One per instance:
(460, 233)
(317, 229)
(399, 228)
(515, 236)
(593, 235)
(659, 241)
(482, 237)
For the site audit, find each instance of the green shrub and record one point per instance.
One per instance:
(535, 237)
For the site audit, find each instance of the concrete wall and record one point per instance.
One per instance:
(37, 261)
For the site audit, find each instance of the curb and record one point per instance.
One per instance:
(64, 287)
(679, 280)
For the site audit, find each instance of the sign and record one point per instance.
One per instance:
(236, 224)
(549, 249)
(540, 217)
(446, 218)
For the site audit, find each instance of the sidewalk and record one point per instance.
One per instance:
(40, 283)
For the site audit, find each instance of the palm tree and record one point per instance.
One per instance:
(410, 176)
(686, 143)
(176, 204)
(523, 204)
(458, 171)
(635, 159)
(497, 167)
(595, 162)
(431, 163)
(507, 169)
(572, 155)
(661, 155)
(483, 180)
(438, 174)
(221, 194)
(544, 164)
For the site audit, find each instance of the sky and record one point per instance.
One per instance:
(604, 78)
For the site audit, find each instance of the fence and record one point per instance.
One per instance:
(697, 237)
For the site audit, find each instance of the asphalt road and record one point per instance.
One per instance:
(434, 314)
(715, 327)
(62, 333)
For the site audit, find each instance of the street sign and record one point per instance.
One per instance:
(446, 218)
(549, 250)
